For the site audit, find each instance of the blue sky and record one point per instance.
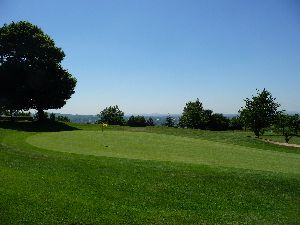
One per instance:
(152, 56)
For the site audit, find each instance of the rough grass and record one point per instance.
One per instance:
(40, 186)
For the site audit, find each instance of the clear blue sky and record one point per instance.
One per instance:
(152, 56)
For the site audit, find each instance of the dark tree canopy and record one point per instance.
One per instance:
(236, 123)
(196, 117)
(169, 121)
(111, 115)
(296, 123)
(150, 122)
(31, 76)
(218, 122)
(287, 125)
(260, 111)
(137, 121)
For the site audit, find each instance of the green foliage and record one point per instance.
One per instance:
(31, 76)
(196, 117)
(150, 122)
(52, 117)
(62, 118)
(41, 116)
(236, 123)
(296, 123)
(136, 121)
(3, 111)
(286, 125)
(218, 122)
(22, 113)
(59, 118)
(15, 116)
(193, 116)
(15, 113)
(259, 112)
(112, 115)
(169, 121)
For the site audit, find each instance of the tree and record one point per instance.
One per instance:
(136, 121)
(296, 123)
(62, 119)
(285, 125)
(2, 111)
(31, 76)
(45, 116)
(193, 116)
(111, 115)
(260, 111)
(52, 117)
(150, 122)
(169, 121)
(243, 115)
(235, 123)
(218, 122)
(12, 91)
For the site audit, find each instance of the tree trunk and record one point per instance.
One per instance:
(41, 115)
(11, 115)
(257, 132)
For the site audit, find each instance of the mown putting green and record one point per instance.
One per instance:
(161, 147)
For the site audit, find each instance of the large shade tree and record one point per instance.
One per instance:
(31, 75)
(259, 111)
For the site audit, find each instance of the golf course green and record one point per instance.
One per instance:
(162, 147)
(67, 173)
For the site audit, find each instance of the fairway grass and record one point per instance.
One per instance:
(144, 176)
(161, 147)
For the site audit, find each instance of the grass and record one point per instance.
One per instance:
(162, 147)
(239, 138)
(280, 138)
(42, 186)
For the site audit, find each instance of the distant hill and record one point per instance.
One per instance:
(80, 118)
(158, 119)
(230, 115)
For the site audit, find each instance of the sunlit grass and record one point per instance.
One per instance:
(40, 186)
(162, 147)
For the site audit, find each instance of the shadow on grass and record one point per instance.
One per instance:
(45, 126)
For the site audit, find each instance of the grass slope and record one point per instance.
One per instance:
(40, 186)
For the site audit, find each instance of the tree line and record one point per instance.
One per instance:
(194, 116)
(259, 114)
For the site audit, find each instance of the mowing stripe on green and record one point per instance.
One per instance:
(161, 147)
